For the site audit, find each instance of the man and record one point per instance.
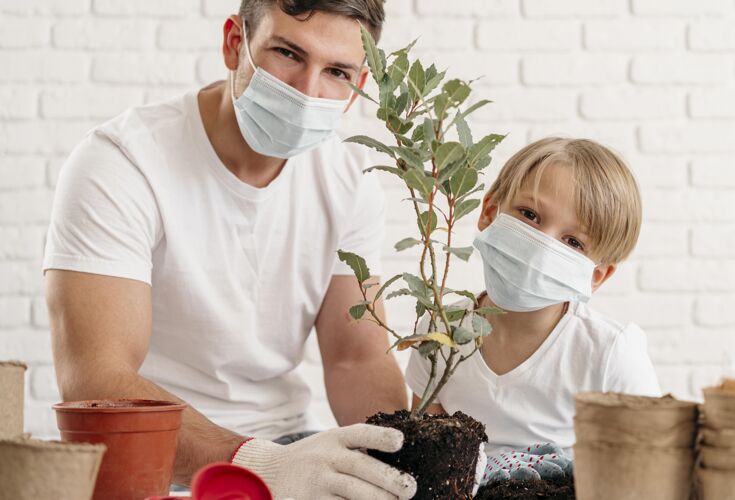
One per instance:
(193, 246)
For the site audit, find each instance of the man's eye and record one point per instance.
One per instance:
(339, 73)
(285, 52)
(529, 214)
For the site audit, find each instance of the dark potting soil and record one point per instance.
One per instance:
(440, 451)
(532, 489)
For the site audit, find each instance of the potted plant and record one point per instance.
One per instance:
(423, 113)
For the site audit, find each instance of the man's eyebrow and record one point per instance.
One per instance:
(303, 53)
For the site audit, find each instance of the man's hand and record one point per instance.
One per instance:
(361, 378)
(330, 464)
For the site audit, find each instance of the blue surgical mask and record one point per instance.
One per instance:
(277, 120)
(527, 270)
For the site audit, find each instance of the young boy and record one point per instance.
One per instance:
(554, 225)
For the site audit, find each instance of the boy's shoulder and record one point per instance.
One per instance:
(600, 328)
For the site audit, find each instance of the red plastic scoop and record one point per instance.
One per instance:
(223, 481)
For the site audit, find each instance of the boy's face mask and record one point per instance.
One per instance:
(277, 120)
(527, 270)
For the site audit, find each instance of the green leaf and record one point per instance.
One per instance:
(420, 309)
(399, 69)
(401, 103)
(423, 221)
(417, 179)
(465, 293)
(386, 285)
(416, 284)
(361, 92)
(465, 207)
(447, 153)
(409, 156)
(481, 187)
(463, 181)
(398, 293)
(385, 168)
(457, 91)
(406, 243)
(462, 335)
(406, 49)
(481, 326)
(431, 72)
(433, 82)
(489, 310)
(371, 143)
(464, 132)
(441, 105)
(426, 348)
(373, 56)
(358, 311)
(455, 313)
(463, 253)
(428, 128)
(483, 147)
(416, 80)
(356, 263)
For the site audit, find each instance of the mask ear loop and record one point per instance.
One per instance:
(249, 57)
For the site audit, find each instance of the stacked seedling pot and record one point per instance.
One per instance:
(39, 469)
(633, 447)
(716, 469)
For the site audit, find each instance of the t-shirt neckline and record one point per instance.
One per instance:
(533, 358)
(220, 171)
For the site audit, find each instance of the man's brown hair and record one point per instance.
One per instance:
(369, 12)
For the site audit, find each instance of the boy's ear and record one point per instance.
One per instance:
(601, 275)
(488, 213)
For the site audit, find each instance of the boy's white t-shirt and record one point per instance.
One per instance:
(534, 403)
(237, 274)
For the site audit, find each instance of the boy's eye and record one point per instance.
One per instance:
(529, 214)
(575, 243)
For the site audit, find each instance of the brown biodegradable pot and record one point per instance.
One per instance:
(439, 451)
(716, 484)
(719, 408)
(723, 438)
(12, 375)
(607, 472)
(140, 436)
(646, 414)
(47, 469)
(718, 458)
(681, 435)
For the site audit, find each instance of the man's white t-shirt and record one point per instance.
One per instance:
(534, 403)
(237, 274)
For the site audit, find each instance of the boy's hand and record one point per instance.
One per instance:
(539, 461)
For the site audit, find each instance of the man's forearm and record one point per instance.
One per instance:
(359, 389)
(200, 441)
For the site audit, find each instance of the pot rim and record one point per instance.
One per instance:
(136, 406)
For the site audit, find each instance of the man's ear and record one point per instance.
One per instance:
(360, 83)
(488, 213)
(233, 37)
(601, 274)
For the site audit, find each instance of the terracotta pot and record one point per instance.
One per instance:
(140, 436)
(12, 383)
(48, 469)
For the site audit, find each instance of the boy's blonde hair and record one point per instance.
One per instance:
(607, 198)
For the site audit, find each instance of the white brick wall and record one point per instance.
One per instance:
(654, 79)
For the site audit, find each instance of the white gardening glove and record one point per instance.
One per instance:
(480, 469)
(330, 464)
